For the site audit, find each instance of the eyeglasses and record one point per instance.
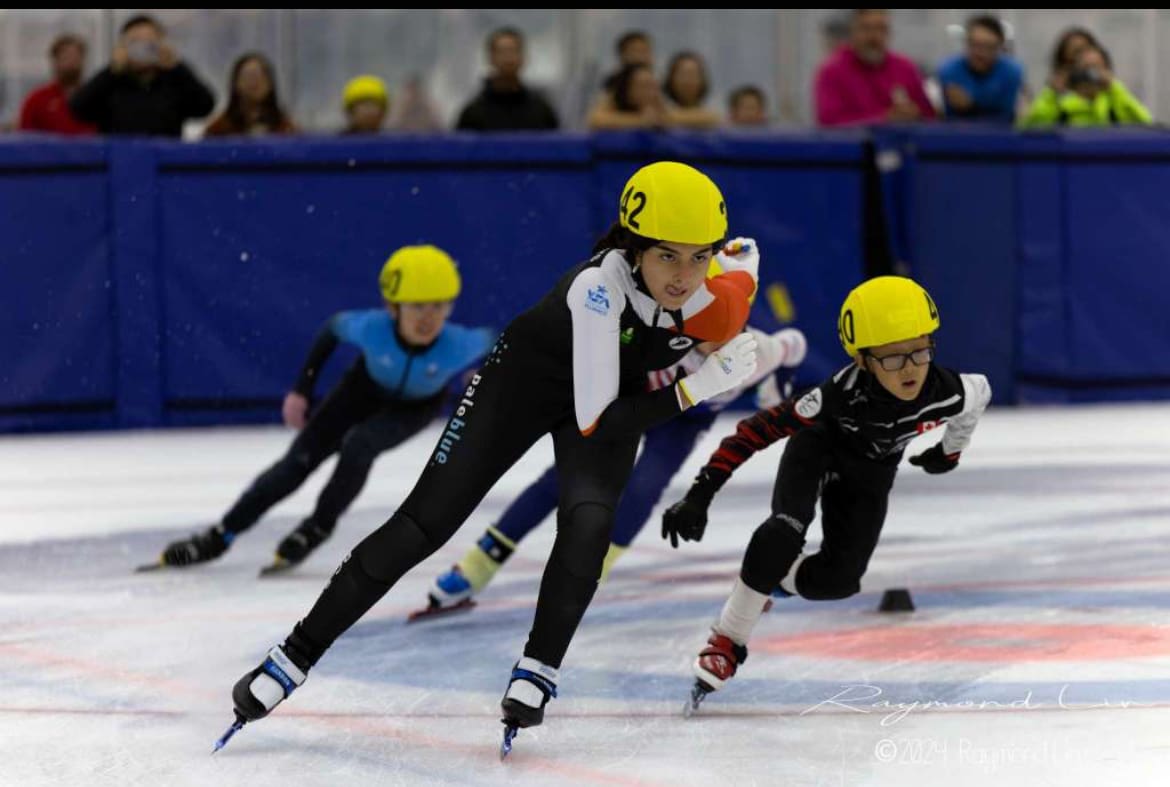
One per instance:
(895, 362)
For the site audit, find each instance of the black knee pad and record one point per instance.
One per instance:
(394, 548)
(774, 547)
(822, 580)
(583, 539)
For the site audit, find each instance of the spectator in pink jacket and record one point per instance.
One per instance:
(863, 82)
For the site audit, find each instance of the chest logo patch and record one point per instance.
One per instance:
(597, 299)
(810, 404)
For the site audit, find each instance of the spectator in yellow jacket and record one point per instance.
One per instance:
(1092, 96)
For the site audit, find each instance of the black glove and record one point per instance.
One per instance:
(686, 519)
(934, 461)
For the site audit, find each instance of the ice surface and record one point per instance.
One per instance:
(1039, 652)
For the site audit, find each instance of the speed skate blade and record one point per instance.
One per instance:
(431, 612)
(279, 566)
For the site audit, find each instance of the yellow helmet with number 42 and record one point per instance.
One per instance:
(671, 201)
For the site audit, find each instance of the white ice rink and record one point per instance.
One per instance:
(1039, 653)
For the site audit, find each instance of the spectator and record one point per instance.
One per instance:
(253, 106)
(686, 87)
(1068, 45)
(634, 48)
(983, 83)
(414, 111)
(1092, 96)
(366, 102)
(47, 107)
(746, 107)
(834, 34)
(637, 102)
(506, 103)
(146, 89)
(865, 82)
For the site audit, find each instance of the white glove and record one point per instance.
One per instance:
(740, 254)
(794, 344)
(723, 370)
(785, 348)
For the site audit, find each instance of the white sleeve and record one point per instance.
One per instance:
(595, 305)
(976, 396)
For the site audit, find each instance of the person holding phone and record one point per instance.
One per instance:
(146, 89)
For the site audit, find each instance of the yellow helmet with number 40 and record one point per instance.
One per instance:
(670, 201)
(419, 274)
(885, 310)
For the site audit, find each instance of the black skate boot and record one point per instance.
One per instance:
(297, 546)
(532, 685)
(199, 548)
(259, 691)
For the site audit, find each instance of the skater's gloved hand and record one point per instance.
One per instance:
(934, 461)
(686, 519)
(795, 346)
(294, 410)
(724, 369)
(740, 254)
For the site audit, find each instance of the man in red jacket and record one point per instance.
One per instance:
(47, 107)
(864, 83)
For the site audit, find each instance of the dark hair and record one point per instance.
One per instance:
(619, 238)
(64, 40)
(835, 27)
(856, 13)
(499, 33)
(628, 38)
(142, 19)
(675, 62)
(1062, 42)
(621, 86)
(743, 91)
(270, 112)
(989, 23)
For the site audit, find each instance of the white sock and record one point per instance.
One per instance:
(788, 584)
(741, 612)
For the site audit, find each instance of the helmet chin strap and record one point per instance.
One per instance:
(636, 272)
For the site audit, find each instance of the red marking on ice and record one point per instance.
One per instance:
(977, 642)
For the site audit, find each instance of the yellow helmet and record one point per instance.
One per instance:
(673, 202)
(365, 88)
(884, 310)
(419, 274)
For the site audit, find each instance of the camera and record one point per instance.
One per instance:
(1080, 77)
(144, 52)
